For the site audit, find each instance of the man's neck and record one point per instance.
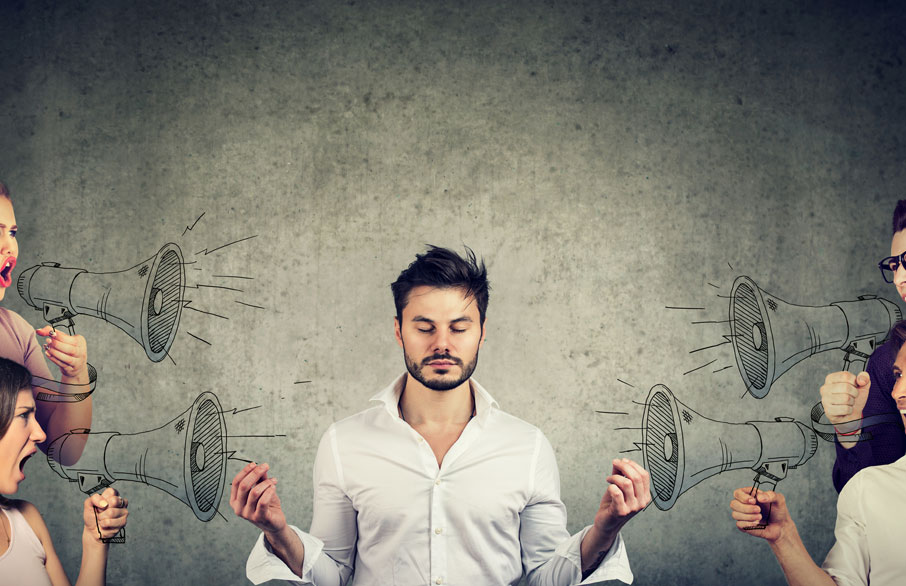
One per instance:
(419, 404)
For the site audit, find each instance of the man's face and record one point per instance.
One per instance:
(440, 335)
(897, 246)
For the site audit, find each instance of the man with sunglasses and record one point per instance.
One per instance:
(847, 397)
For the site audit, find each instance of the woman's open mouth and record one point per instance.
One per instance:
(6, 272)
(23, 461)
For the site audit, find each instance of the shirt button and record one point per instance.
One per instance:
(420, 440)
(439, 530)
(439, 581)
(437, 482)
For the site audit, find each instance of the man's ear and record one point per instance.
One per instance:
(396, 331)
(484, 331)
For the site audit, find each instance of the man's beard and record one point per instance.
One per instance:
(445, 384)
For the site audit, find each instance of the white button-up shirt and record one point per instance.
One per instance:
(383, 507)
(871, 528)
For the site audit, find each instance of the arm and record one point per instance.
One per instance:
(104, 515)
(253, 497)
(70, 353)
(629, 492)
(111, 516)
(781, 533)
(550, 557)
(286, 553)
(888, 442)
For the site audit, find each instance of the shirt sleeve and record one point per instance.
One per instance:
(848, 561)
(330, 545)
(550, 557)
(888, 442)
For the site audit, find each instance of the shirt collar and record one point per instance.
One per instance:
(390, 397)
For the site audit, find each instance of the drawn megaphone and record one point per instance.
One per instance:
(771, 335)
(681, 447)
(145, 301)
(185, 457)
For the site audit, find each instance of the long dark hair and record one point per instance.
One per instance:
(13, 378)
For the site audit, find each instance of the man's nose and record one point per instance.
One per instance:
(442, 340)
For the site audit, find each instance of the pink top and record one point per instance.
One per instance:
(18, 343)
(23, 562)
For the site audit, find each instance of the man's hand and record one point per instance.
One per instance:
(70, 353)
(253, 497)
(629, 492)
(748, 513)
(843, 397)
(104, 514)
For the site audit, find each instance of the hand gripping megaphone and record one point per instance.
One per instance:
(770, 335)
(185, 457)
(145, 301)
(681, 447)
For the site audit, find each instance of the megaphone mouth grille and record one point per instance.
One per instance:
(662, 447)
(751, 338)
(164, 302)
(206, 460)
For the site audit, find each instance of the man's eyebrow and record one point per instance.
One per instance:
(424, 319)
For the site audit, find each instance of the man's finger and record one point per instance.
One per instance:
(840, 377)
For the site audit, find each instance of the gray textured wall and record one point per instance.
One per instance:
(608, 159)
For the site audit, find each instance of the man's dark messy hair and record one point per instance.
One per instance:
(444, 269)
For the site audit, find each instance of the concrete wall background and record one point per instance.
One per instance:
(607, 159)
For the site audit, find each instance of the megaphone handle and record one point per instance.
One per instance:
(853, 364)
(856, 355)
(67, 325)
(762, 483)
(120, 536)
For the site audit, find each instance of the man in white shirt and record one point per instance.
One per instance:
(871, 521)
(435, 484)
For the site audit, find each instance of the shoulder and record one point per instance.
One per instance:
(14, 320)
(511, 424)
(365, 417)
(873, 480)
(31, 515)
(362, 426)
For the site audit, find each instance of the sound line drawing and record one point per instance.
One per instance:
(186, 457)
(681, 447)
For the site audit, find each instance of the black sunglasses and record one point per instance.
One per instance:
(890, 265)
